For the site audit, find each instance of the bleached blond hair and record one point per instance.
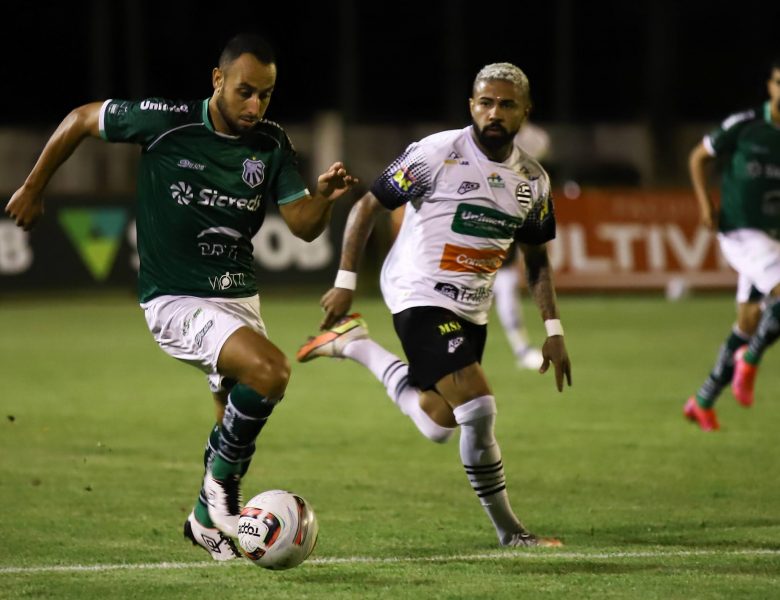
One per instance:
(504, 72)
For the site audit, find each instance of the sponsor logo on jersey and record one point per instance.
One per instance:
(227, 281)
(163, 106)
(495, 181)
(471, 260)
(447, 289)
(188, 164)
(523, 194)
(181, 192)
(449, 327)
(402, 180)
(254, 172)
(219, 247)
(454, 344)
(465, 295)
(481, 221)
(467, 186)
(455, 159)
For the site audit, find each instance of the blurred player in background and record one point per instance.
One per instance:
(471, 193)
(208, 168)
(748, 226)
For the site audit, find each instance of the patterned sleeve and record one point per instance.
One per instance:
(539, 224)
(141, 121)
(408, 177)
(723, 139)
(289, 185)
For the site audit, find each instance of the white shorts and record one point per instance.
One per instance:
(755, 256)
(194, 330)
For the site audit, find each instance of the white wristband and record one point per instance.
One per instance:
(553, 327)
(346, 280)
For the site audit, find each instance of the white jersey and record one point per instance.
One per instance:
(464, 213)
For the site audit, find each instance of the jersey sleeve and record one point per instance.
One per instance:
(289, 185)
(539, 224)
(723, 139)
(141, 121)
(408, 177)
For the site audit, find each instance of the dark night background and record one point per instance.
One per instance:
(588, 61)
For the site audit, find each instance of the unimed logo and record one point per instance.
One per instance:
(471, 260)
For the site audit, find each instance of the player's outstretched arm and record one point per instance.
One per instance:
(698, 164)
(337, 301)
(26, 205)
(540, 284)
(308, 217)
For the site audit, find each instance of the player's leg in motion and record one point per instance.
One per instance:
(475, 412)
(748, 358)
(349, 339)
(262, 373)
(510, 314)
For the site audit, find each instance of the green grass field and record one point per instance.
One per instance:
(102, 434)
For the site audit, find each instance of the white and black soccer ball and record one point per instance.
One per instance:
(277, 530)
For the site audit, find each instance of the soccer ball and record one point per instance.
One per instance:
(277, 530)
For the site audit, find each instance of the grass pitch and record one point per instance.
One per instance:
(101, 443)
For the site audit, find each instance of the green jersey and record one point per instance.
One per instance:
(749, 144)
(201, 195)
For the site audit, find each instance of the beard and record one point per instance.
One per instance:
(236, 127)
(494, 137)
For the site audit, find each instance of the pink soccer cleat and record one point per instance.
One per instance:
(705, 417)
(744, 379)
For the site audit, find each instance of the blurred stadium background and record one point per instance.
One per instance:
(624, 90)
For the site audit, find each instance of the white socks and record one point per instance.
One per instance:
(392, 372)
(481, 458)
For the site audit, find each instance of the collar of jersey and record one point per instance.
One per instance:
(209, 125)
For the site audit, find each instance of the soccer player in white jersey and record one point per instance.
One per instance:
(208, 169)
(471, 194)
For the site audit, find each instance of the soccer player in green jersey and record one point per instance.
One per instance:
(208, 170)
(748, 226)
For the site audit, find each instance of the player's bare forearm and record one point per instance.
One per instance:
(26, 205)
(698, 167)
(360, 223)
(308, 217)
(540, 282)
(337, 301)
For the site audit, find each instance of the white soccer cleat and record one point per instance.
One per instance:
(224, 500)
(333, 341)
(219, 546)
(530, 358)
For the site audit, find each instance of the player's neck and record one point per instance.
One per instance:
(219, 124)
(774, 113)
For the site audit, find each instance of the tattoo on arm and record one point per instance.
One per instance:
(540, 283)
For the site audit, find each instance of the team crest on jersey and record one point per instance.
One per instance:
(254, 172)
(495, 181)
(523, 194)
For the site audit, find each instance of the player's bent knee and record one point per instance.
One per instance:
(268, 375)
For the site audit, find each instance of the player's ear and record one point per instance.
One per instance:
(217, 78)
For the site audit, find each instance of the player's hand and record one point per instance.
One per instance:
(25, 208)
(335, 304)
(334, 182)
(554, 351)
